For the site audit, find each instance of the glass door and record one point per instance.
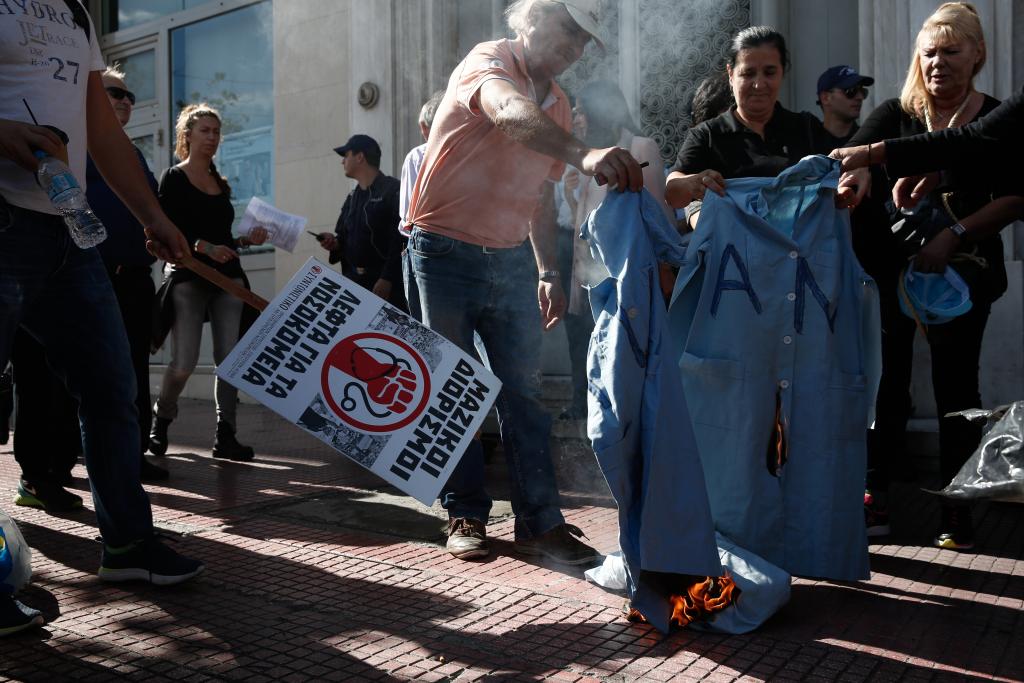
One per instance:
(149, 138)
(144, 63)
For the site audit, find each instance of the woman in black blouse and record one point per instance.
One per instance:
(756, 137)
(198, 200)
(938, 93)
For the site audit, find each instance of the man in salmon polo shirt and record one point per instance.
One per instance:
(499, 142)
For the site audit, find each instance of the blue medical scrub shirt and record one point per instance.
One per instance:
(638, 421)
(775, 328)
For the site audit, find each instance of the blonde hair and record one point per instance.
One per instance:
(114, 71)
(951, 22)
(186, 120)
(523, 15)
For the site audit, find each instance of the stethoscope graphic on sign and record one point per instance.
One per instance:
(350, 402)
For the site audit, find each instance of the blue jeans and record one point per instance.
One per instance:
(412, 292)
(61, 295)
(196, 301)
(465, 288)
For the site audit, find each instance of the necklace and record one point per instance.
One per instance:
(953, 119)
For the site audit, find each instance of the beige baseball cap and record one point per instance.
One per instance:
(586, 13)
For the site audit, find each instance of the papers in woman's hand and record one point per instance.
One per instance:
(283, 229)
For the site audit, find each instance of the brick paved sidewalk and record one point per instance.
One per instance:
(317, 572)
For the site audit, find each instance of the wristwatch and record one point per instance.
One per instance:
(958, 230)
(548, 275)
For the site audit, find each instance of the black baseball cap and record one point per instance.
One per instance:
(359, 143)
(842, 77)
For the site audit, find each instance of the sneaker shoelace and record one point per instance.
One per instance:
(463, 527)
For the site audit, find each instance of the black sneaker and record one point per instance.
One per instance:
(467, 538)
(561, 544)
(147, 560)
(47, 496)
(15, 616)
(957, 529)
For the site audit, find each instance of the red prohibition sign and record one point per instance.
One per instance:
(389, 387)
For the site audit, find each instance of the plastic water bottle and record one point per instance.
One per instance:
(68, 198)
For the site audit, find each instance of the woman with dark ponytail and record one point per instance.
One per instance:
(198, 199)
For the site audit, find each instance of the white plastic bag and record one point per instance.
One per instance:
(15, 557)
(764, 589)
(611, 574)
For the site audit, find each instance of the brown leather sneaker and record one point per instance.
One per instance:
(561, 545)
(467, 538)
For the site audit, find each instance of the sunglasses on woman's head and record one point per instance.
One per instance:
(851, 93)
(121, 93)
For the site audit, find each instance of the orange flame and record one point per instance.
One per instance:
(703, 599)
(777, 447)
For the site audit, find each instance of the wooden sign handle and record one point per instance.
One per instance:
(224, 282)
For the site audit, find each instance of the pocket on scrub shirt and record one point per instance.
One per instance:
(848, 411)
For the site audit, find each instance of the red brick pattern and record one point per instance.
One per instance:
(284, 599)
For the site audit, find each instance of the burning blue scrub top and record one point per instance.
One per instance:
(637, 419)
(775, 328)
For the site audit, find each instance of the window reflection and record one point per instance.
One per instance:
(146, 145)
(122, 14)
(227, 62)
(140, 74)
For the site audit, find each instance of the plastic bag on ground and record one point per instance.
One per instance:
(15, 557)
(996, 469)
(611, 574)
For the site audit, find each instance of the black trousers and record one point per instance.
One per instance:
(136, 296)
(47, 435)
(956, 352)
(369, 278)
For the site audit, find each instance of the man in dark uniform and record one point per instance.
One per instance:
(365, 240)
(841, 93)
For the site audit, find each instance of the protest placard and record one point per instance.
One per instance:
(364, 378)
(283, 228)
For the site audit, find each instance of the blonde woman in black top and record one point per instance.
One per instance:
(938, 94)
(198, 200)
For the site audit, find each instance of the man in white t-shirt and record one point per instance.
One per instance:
(50, 62)
(410, 170)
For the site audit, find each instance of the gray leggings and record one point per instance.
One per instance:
(192, 300)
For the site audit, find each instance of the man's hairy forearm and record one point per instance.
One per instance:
(544, 231)
(525, 122)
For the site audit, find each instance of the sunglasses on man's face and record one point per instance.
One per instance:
(851, 93)
(121, 93)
